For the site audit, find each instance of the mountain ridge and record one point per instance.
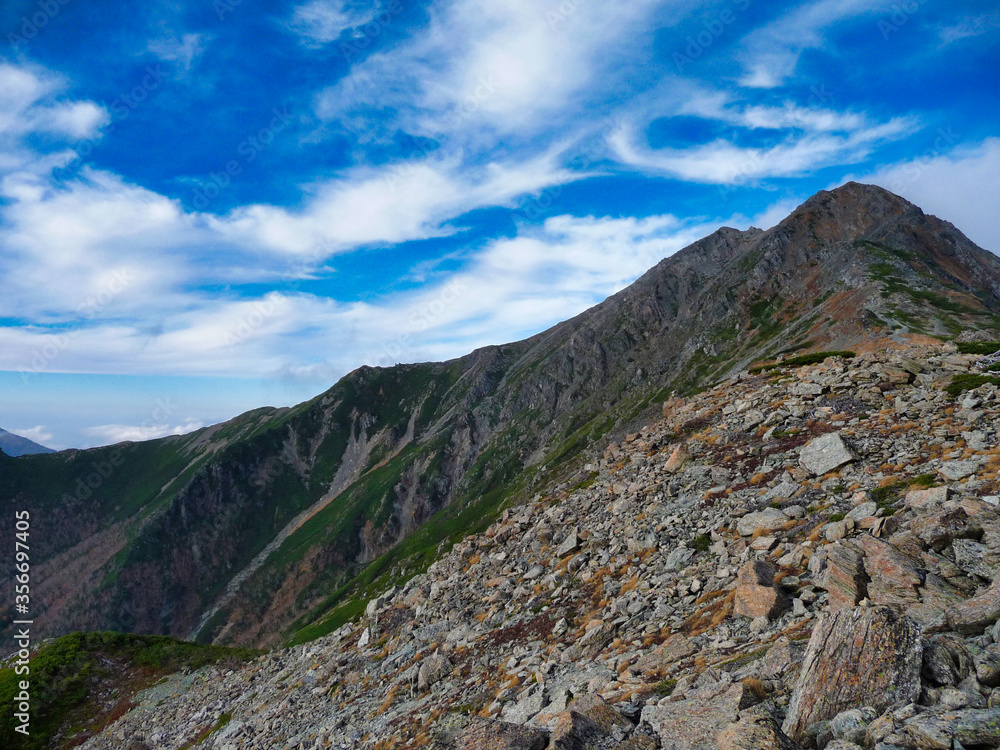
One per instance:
(15, 445)
(425, 453)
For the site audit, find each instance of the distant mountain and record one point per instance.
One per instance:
(281, 523)
(15, 445)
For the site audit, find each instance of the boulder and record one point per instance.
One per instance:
(525, 708)
(940, 730)
(955, 470)
(893, 577)
(937, 530)
(587, 723)
(918, 499)
(846, 580)
(487, 734)
(755, 592)
(755, 733)
(677, 459)
(570, 544)
(825, 454)
(769, 519)
(886, 643)
(432, 670)
(974, 558)
(975, 614)
(987, 663)
(694, 723)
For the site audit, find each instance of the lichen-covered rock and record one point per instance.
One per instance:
(768, 519)
(846, 579)
(976, 613)
(869, 656)
(755, 733)
(694, 723)
(970, 727)
(433, 668)
(486, 734)
(588, 722)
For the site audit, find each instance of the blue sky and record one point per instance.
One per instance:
(220, 204)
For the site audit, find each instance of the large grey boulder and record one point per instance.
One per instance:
(825, 454)
(979, 727)
(768, 519)
(887, 644)
(695, 723)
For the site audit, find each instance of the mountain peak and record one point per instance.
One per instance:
(15, 445)
(852, 208)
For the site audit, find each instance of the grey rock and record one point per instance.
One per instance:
(768, 519)
(825, 454)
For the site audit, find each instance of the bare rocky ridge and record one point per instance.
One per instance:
(638, 607)
(448, 443)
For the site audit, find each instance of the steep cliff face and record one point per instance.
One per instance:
(248, 531)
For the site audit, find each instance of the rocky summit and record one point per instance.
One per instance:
(803, 556)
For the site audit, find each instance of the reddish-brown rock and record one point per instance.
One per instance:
(676, 460)
(973, 615)
(755, 592)
(846, 580)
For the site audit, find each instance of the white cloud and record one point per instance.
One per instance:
(396, 203)
(108, 434)
(504, 66)
(771, 53)
(723, 162)
(39, 434)
(182, 51)
(30, 103)
(970, 27)
(323, 21)
(509, 288)
(958, 184)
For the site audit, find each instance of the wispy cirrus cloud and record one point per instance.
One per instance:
(320, 22)
(508, 66)
(805, 138)
(970, 26)
(771, 53)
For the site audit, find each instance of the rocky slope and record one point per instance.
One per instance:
(802, 557)
(253, 531)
